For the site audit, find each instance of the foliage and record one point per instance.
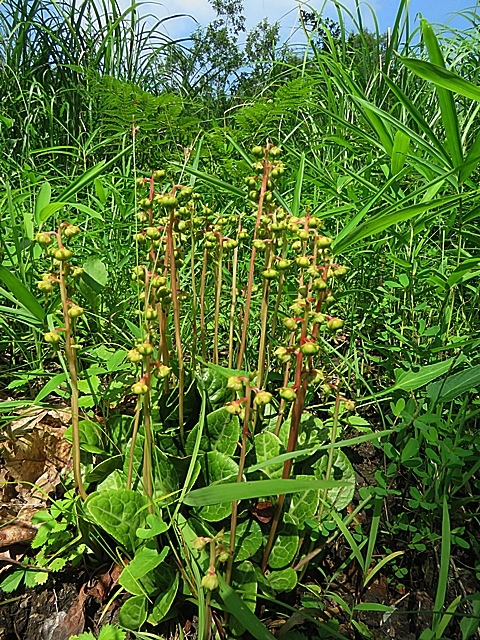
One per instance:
(217, 396)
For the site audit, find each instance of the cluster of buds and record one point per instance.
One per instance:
(219, 553)
(61, 273)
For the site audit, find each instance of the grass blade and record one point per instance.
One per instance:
(218, 493)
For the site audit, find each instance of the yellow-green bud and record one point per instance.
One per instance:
(139, 388)
(334, 324)
(288, 394)
(235, 383)
(52, 337)
(309, 348)
(145, 349)
(62, 255)
(262, 398)
(43, 239)
(134, 356)
(75, 311)
(71, 231)
(162, 371)
(45, 286)
(210, 581)
(323, 242)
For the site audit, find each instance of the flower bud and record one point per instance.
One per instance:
(139, 388)
(269, 274)
(75, 311)
(235, 383)
(210, 581)
(222, 553)
(158, 281)
(233, 408)
(323, 242)
(334, 324)
(288, 394)
(200, 543)
(290, 324)
(302, 261)
(262, 398)
(139, 238)
(52, 337)
(159, 174)
(71, 231)
(259, 245)
(62, 255)
(283, 264)
(134, 356)
(319, 284)
(145, 349)
(43, 239)
(309, 348)
(303, 234)
(45, 286)
(275, 152)
(152, 232)
(258, 151)
(151, 314)
(162, 371)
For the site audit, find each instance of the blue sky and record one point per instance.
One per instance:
(436, 11)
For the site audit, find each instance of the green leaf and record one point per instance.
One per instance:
(297, 194)
(212, 180)
(22, 294)
(95, 274)
(217, 468)
(343, 470)
(417, 377)
(286, 545)
(442, 77)
(164, 601)
(303, 506)
(268, 446)
(401, 146)
(90, 175)
(393, 215)
(248, 539)
(51, 386)
(43, 199)
(220, 433)
(237, 607)
(410, 450)
(284, 580)
(244, 581)
(12, 581)
(156, 524)
(144, 561)
(111, 633)
(119, 512)
(454, 386)
(215, 385)
(256, 489)
(133, 613)
(469, 626)
(445, 97)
